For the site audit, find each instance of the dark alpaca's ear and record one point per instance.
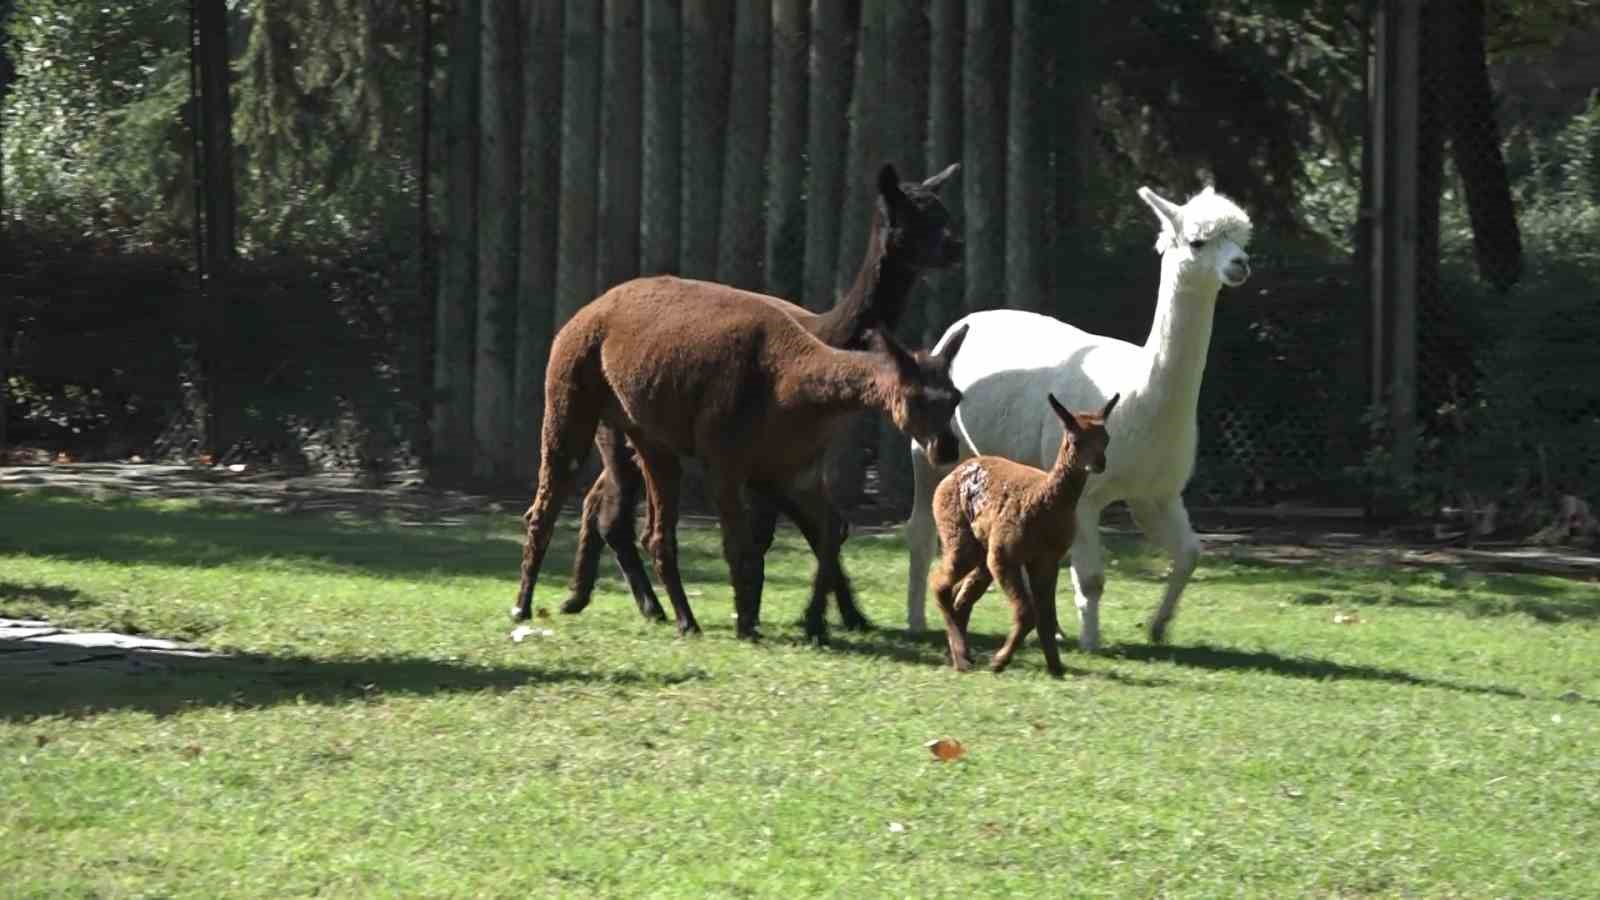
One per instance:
(890, 197)
(903, 359)
(1068, 420)
(948, 354)
(1110, 405)
(937, 181)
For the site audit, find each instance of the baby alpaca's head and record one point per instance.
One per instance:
(1085, 441)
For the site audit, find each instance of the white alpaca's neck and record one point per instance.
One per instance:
(1180, 337)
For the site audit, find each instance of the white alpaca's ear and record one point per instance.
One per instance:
(1170, 214)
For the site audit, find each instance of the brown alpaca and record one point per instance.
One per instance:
(910, 232)
(1003, 521)
(689, 368)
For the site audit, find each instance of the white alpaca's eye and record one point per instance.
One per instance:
(1197, 244)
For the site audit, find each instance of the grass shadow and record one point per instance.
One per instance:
(1202, 656)
(46, 594)
(77, 681)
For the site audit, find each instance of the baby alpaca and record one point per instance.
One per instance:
(999, 519)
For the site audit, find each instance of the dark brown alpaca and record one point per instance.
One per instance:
(910, 232)
(694, 369)
(1004, 521)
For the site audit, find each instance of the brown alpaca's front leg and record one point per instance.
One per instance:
(663, 476)
(1042, 572)
(824, 531)
(1022, 611)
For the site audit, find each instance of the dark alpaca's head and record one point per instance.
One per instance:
(917, 226)
(924, 396)
(1086, 438)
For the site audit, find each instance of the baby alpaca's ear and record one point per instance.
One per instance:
(1110, 405)
(1068, 421)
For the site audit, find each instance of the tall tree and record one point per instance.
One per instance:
(706, 26)
(663, 136)
(1028, 177)
(221, 207)
(943, 301)
(743, 240)
(1072, 83)
(786, 210)
(620, 169)
(499, 236)
(904, 118)
(864, 148)
(458, 282)
(983, 177)
(833, 39)
(580, 153)
(864, 154)
(427, 282)
(541, 196)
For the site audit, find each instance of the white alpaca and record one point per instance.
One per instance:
(1011, 358)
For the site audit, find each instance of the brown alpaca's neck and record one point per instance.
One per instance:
(877, 297)
(842, 381)
(1063, 484)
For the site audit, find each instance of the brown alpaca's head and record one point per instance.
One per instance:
(1085, 442)
(917, 229)
(923, 398)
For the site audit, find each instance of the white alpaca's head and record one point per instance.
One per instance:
(1208, 235)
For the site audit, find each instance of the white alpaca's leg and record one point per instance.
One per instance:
(1166, 522)
(922, 537)
(1088, 576)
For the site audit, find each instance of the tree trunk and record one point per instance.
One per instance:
(221, 226)
(833, 30)
(541, 196)
(706, 26)
(580, 136)
(1070, 123)
(786, 210)
(427, 300)
(663, 137)
(983, 185)
(847, 467)
(944, 300)
(458, 284)
(620, 169)
(743, 224)
(1475, 144)
(1027, 160)
(499, 239)
(903, 116)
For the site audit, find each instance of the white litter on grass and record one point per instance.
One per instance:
(896, 828)
(523, 632)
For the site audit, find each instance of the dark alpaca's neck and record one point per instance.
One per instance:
(876, 299)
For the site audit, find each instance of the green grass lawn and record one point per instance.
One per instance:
(379, 734)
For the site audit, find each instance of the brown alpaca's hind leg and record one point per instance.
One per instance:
(663, 476)
(608, 511)
(745, 566)
(1022, 611)
(565, 442)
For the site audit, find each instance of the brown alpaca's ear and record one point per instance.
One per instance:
(948, 354)
(1110, 405)
(1068, 420)
(937, 181)
(889, 185)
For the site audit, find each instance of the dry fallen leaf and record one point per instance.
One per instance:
(39, 740)
(192, 751)
(945, 749)
(541, 613)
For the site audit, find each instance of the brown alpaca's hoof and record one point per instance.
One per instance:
(574, 605)
(1158, 632)
(518, 614)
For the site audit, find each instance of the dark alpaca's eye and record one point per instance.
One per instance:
(1197, 244)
